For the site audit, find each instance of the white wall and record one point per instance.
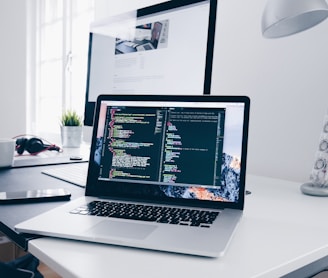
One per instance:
(286, 79)
(12, 68)
(110, 7)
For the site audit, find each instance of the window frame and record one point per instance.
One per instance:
(34, 45)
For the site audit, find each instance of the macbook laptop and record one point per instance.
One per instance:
(165, 173)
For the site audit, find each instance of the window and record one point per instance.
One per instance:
(60, 52)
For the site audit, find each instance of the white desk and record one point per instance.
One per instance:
(281, 231)
(52, 157)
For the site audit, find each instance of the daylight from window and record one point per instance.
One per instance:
(61, 35)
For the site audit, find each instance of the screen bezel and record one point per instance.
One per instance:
(165, 6)
(115, 190)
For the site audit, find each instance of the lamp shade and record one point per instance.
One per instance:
(286, 17)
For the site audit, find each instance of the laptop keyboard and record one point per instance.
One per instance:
(178, 216)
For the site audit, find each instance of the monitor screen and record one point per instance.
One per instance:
(162, 49)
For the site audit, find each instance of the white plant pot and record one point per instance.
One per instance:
(71, 136)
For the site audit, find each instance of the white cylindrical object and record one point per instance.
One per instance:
(7, 150)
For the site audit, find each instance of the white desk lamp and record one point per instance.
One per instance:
(287, 17)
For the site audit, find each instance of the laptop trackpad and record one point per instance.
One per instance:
(121, 229)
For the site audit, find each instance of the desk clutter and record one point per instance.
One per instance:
(31, 150)
(34, 146)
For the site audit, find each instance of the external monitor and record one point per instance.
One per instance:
(166, 48)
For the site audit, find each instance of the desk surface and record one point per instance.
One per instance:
(281, 231)
(22, 178)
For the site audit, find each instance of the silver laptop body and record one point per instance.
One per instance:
(179, 153)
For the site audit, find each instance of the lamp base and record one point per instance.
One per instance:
(313, 189)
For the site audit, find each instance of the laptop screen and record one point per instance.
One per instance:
(173, 147)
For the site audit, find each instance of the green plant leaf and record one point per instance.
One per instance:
(71, 118)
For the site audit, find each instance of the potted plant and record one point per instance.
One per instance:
(71, 129)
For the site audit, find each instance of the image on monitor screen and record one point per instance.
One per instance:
(162, 49)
